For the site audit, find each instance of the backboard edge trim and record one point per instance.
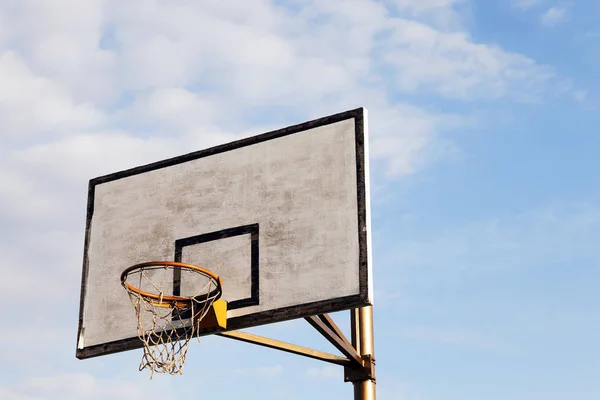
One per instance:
(328, 120)
(263, 318)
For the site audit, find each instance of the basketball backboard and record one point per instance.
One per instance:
(282, 218)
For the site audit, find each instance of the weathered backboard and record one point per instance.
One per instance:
(282, 218)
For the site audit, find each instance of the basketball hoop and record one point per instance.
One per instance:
(168, 319)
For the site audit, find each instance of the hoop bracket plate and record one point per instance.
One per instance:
(216, 317)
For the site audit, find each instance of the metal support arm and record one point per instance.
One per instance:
(287, 347)
(330, 331)
(359, 366)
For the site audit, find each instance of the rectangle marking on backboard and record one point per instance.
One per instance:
(252, 230)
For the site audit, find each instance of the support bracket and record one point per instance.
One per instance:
(287, 347)
(363, 373)
(326, 327)
(358, 369)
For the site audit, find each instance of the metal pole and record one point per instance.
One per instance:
(363, 341)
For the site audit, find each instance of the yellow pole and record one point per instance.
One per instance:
(363, 341)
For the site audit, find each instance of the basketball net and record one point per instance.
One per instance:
(165, 328)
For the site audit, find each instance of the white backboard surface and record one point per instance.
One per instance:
(282, 218)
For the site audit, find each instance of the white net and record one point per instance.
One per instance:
(167, 323)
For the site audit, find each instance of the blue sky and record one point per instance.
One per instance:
(484, 146)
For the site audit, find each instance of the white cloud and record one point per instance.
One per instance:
(49, 269)
(269, 371)
(440, 13)
(426, 5)
(551, 235)
(202, 62)
(75, 386)
(553, 16)
(6, 393)
(174, 106)
(60, 40)
(448, 335)
(452, 65)
(390, 387)
(406, 136)
(327, 372)
(77, 158)
(259, 59)
(34, 105)
(580, 95)
(526, 4)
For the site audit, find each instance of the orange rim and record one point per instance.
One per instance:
(166, 301)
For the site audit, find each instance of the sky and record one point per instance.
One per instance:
(484, 181)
